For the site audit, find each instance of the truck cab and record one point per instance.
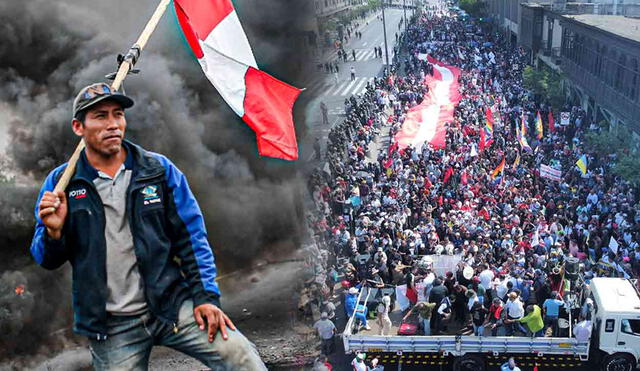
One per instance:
(616, 319)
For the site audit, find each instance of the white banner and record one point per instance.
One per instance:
(550, 173)
(564, 118)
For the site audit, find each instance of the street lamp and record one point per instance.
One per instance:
(384, 29)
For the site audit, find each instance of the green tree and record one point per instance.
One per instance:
(535, 81)
(618, 141)
(473, 7)
(554, 93)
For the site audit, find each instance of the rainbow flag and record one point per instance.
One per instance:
(488, 133)
(539, 126)
(498, 169)
(520, 135)
(516, 162)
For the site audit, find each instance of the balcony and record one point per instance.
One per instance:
(603, 94)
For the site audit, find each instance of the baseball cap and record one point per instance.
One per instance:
(97, 92)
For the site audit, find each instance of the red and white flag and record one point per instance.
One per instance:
(425, 123)
(265, 103)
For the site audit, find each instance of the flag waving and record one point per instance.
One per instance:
(214, 32)
(498, 169)
(582, 164)
(539, 129)
(552, 124)
(520, 135)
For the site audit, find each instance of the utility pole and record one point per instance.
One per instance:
(384, 29)
(404, 9)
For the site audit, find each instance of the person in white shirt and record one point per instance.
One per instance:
(582, 330)
(486, 276)
(515, 310)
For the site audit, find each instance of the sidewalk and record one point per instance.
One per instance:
(331, 54)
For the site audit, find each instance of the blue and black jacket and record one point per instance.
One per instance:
(169, 237)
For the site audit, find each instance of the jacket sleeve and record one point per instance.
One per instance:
(189, 238)
(47, 252)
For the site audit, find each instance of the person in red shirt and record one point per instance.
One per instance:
(495, 315)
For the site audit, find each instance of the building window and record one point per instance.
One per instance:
(620, 72)
(635, 79)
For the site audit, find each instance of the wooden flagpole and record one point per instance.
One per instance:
(126, 65)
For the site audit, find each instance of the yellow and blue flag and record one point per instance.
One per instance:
(582, 164)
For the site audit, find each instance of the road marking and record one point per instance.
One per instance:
(333, 90)
(358, 88)
(344, 92)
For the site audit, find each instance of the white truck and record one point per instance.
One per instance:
(614, 344)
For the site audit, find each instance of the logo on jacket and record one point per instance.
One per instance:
(78, 193)
(150, 194)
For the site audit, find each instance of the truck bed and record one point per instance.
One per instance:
(456, 342)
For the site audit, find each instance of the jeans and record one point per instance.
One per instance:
(426, 323)
(478, 330)
(130, 339)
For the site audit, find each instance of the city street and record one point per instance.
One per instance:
(323, 87)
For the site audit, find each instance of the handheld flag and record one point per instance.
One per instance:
(498, 169)
(214, 32)
(539, 126)
(520, 134)
(489, 115)
(552, 124)
(487, 138)
(613, 245)
(582, 164)
(516, 162)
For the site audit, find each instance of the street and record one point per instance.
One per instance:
(323, 88)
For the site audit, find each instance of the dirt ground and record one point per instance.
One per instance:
(261, 301)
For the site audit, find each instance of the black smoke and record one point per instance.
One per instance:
(48, 51)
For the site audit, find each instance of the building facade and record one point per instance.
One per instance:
(598, 54)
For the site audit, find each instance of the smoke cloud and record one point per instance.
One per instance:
(48, 51)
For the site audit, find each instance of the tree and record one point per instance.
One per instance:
(535, 81)
(473, 7)
(618, 142)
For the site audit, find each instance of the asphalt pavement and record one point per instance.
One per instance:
(322, 86)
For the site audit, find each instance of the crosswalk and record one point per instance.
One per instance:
(343, 88)
(368, 54)
(363, 55)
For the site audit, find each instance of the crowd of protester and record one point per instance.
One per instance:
(517, 234)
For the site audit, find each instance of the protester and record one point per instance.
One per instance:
(510, 365)
(514, 231)
(326, 331)
(533, 320)
(127, 216)
(383, 320)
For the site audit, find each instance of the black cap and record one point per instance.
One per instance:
(94, 93)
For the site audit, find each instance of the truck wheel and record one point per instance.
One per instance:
(469, 362)
(618, 362)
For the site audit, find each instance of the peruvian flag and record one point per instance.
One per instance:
(552, 126)
(216, 37)
(447, 174)
(425, 123)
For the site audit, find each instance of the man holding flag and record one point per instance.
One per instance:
(143, 270)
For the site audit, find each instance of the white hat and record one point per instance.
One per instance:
(353, 290)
